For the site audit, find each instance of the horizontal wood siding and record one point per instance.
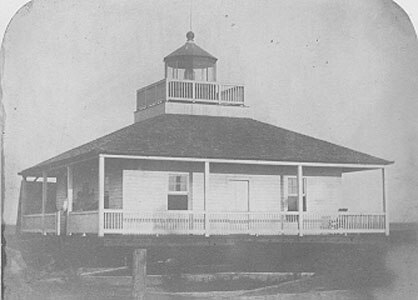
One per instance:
(324, 194)
(61, 190)
(145, 190)
(265, 193)
(198, 191)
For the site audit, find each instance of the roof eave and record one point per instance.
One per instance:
(45, 166)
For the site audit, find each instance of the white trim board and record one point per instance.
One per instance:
(250, 162)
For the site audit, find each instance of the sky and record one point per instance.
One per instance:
(343, 71)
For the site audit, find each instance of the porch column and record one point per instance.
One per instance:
(385, 202)
(300, 199)
(44, 198)
(282, 208)
(101, 193)
(70, 194)
(206, 197)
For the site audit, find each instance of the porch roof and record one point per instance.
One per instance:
(192, 136)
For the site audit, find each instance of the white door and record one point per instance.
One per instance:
(239, 191)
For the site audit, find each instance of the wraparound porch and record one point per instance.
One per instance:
(104, 221)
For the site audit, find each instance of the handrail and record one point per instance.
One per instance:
(84, 212)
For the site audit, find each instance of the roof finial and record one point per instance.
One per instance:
(190, 36)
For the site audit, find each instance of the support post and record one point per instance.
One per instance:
(206, 197)
(300, 199)
(282, 209)
(385, 202)
(70, 195)
(44, 198)
(58, 223)
(101, 193)
(139, 274)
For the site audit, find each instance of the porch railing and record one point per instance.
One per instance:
(189, 91)
(209, 223)
(225, 223)
(83, 222)
(47, 223)
(343, 222)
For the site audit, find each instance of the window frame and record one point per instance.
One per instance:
(304, 192)
(179, 193)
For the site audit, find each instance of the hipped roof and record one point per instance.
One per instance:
(189, 136)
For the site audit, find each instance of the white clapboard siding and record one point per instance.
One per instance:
(198, 191)
(324, 194)
(265, 193)
(144, 190)
(219, 193)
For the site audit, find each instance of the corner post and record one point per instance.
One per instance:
(70, 194)
(167, 89)
(385, 201)
(300, 199)
(206, 197)
(44, 198)
(101, 194)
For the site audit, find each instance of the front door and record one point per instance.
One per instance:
(239, 191)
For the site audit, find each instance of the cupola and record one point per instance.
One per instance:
(190, 62)
(190, 86)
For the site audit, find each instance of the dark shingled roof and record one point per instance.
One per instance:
(213, 137)
(190, 49)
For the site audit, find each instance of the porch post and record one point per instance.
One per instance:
(69, 196)
(206, 197)
(101, 193)
(300, 199)
(282, 208)
(44, 198)
(385, 202)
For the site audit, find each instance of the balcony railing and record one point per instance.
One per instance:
(189, 91)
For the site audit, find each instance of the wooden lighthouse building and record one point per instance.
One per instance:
(194, 165)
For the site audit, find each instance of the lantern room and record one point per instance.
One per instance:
(190, 86)
(190, 62)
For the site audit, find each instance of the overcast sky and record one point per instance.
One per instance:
(344, 71)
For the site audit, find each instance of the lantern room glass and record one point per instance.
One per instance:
(206, 73)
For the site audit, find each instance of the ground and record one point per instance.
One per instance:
(39, 270)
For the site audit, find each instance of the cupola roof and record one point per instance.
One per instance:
(182, 57)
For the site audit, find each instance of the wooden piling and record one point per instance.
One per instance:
(139, 274)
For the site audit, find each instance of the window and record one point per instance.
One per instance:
(292, 191)
(178, 192)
